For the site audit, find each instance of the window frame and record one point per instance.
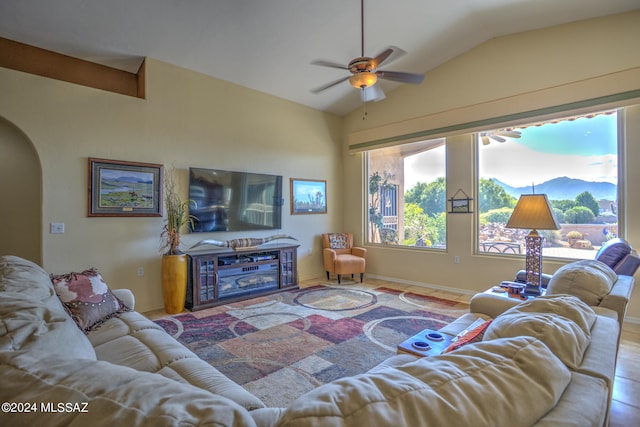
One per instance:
(399, 199)
(618, 102)
(620, 189)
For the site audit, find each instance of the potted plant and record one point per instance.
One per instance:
(174, 261)
(573, 237)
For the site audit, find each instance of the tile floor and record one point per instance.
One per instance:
(625, 407)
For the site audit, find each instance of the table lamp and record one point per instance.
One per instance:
(533, 211)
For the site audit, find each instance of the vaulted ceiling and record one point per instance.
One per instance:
(268, 45)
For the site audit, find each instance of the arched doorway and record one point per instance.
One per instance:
(21, 195)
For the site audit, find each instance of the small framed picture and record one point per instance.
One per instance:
(308, 196)
(122, 188)
(459, 205)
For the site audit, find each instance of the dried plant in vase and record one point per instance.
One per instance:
(177, 216)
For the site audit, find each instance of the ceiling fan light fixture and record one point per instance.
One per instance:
(363, 80)
(365, 70)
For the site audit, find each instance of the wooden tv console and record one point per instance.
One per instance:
(219, 276)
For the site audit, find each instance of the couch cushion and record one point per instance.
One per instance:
(40, 327)
(599, 359)
(613, 251)
(87, 297)
(114, 395)
(567, 306)
(134, 341)
(483, 384)
(21, 276)
(583, 404)
(562, 322)
(32, 318)
(588, 279)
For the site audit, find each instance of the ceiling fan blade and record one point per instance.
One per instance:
(510, 134)
(387, 56)
(399, 76)
(330, 64)
(372, 93)
(329, 85)
(497, 138)
(383, 56)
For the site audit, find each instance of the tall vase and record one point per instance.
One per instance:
(174, 282)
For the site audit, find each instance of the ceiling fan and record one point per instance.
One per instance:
(499, 135)
(365, 71)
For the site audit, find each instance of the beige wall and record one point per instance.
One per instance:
(187, 120)
(510, 74)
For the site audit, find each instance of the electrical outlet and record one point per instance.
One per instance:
(57, 228)
(140, 271)
(456, 259)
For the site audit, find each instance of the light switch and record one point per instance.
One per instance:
(57, 228)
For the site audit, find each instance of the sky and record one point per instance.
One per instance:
(585, 148)
(117, 173)
(304, 190)
(425, 167)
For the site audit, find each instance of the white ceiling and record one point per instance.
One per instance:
(268, 45)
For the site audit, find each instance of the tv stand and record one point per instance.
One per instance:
(219, 276)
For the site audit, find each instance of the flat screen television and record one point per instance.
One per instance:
(234, 201)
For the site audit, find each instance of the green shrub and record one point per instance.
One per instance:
(579, 215)
(574, 235)
(500, 215)
(559, 215)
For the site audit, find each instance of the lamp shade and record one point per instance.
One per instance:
(533, 211)
(363, 79)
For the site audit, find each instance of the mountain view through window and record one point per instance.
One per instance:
(574, 161)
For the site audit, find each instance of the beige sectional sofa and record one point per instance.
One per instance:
(592, 362)
(127, 372)
(554, 369)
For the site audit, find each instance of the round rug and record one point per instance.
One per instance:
(420, 323)
(175, 328)
(418, 300)
(336, 299)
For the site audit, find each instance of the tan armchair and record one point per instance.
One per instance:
(341, 257)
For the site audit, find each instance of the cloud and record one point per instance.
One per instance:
(517, 165)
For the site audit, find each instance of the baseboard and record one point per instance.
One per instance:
(424, 285)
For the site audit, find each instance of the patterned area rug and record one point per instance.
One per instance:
(281, 346)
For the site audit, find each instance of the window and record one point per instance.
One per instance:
(574, 160)
(406, 195)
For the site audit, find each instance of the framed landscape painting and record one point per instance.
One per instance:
(308, 196)
(460, 206)
(121, 188)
